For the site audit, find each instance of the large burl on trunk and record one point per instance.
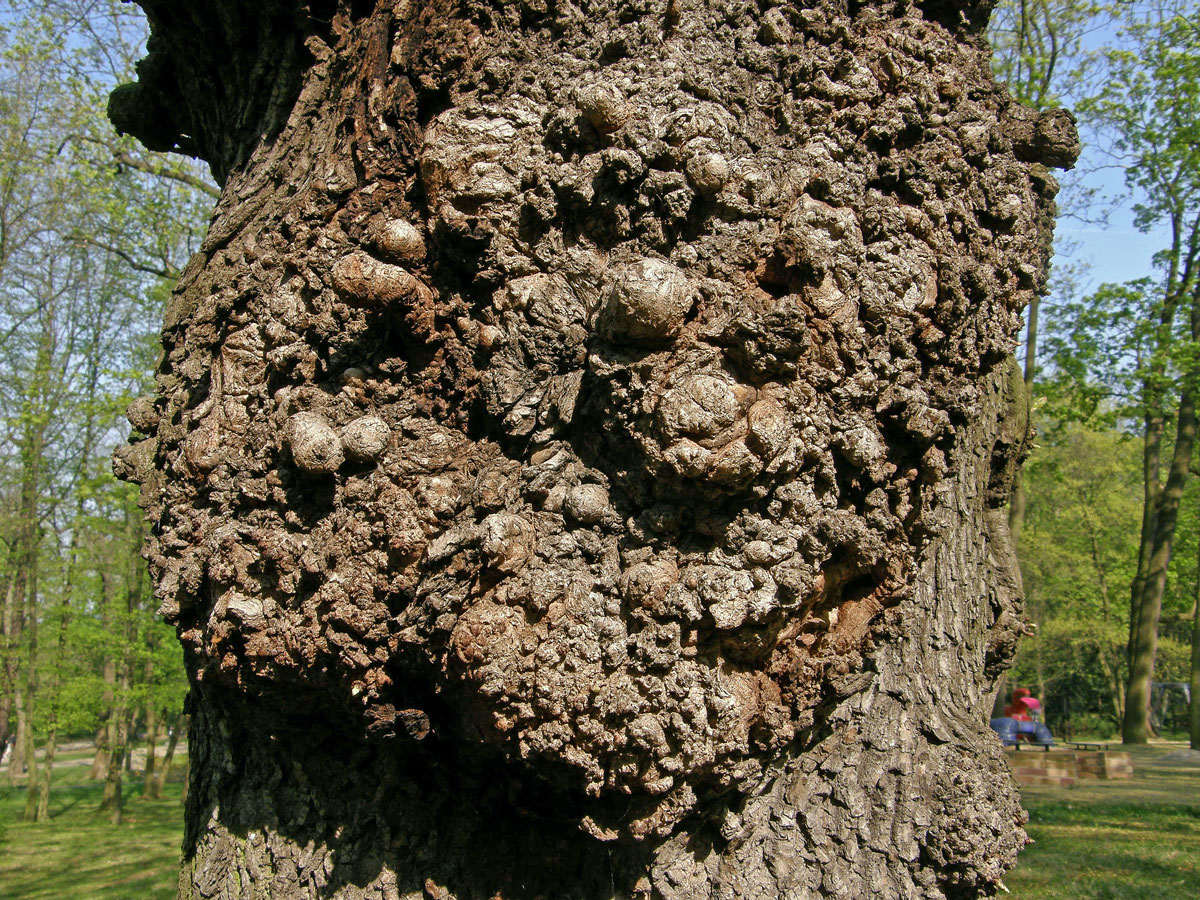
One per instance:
(576, 464)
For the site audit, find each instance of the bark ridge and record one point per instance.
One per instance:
(579, 447)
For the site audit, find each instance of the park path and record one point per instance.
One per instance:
(71, 747)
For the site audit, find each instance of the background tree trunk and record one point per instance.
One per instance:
(112, 801)
(1143, 642)
(582, 441)
(1194, 678)
(154, 790)
(106, 736)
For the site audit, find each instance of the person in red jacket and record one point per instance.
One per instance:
(1017, 708)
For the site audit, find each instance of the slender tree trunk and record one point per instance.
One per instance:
(112, 801)
(1194, 669)
(26, 736)
(1151, 494)
(152, 725)
(155, 788)
(124, 712)
(130, 732)
(105, 735)
(42, 813)
(1154, 425)
(1145, 606)
(21, 609)
(553, 494)
(1136, 726)
(1194, 680)
(9, 634)
(16, 762)
(43, 803)
(1016, 507)
(1104, 651)
(1143, 642)
(29, 708)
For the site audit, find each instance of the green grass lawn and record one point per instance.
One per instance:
(1100, 840)
(78, 854)
(1115, 840)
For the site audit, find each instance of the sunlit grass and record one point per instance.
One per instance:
(1102, 840)
(78, 854)
(1115, 840)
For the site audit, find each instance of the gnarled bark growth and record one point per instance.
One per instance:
(577, 463)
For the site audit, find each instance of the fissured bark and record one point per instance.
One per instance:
(579, 446)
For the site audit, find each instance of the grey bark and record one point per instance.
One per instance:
(581, 445)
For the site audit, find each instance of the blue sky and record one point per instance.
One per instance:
(1111, 248)
(1114, 252)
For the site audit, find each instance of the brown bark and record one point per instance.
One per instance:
(582, 441)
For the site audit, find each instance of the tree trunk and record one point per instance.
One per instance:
(1143, 643)
(16, 761)
(155, 790)
(148, 775)
(44, 784)
(106, 735)
(582, 441)
(1108, 655)
(9, 665)
(1142, 594)
(105, 738)
(1016, 506)
(29, 706)
(1194, 679)
(112, 801)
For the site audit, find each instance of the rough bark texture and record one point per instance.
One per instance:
(580, 445)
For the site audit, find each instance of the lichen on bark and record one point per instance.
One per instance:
(578, 445)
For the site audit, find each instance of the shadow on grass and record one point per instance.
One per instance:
(1114, 840)
(78, 854)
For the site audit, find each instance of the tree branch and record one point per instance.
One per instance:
(167, 270)
(125, 158)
